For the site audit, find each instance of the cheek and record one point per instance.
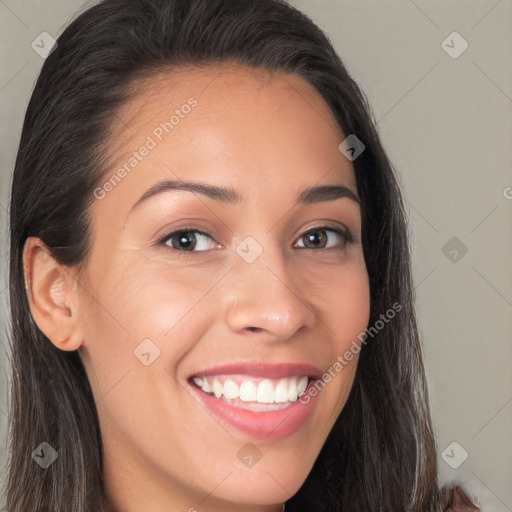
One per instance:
(347, 305)
(347, 311)
(147, 298)
(143, 301)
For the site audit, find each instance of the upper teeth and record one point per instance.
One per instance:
(254, 390)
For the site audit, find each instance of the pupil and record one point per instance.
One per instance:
(185, 239)
(315, 237)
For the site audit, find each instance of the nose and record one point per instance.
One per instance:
(266, 296)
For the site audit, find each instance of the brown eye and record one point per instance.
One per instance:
(189, 240)
(319, 238)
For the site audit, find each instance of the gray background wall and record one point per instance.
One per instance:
(446, 122)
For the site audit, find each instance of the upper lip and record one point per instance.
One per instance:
(255, 369)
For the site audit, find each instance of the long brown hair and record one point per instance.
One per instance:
(381, 453)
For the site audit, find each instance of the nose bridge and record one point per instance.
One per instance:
(263, 292)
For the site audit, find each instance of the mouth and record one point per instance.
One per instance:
(253, 393)
(261, 401)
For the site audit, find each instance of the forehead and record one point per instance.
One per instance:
(220, 85)
(252, 127)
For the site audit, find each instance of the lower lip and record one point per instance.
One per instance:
(270, 425)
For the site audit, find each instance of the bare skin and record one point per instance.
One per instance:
(268, 136)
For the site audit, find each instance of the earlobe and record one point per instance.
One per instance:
(50, 288)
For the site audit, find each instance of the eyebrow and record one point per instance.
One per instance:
(311, 195)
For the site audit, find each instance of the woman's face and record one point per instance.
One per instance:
(253, 277)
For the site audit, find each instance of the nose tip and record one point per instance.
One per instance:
(271, 305)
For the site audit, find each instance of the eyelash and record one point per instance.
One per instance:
(345, 235)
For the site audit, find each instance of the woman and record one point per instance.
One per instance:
(211, 292)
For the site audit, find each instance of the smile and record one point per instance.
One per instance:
(252, 393)
(260, 401)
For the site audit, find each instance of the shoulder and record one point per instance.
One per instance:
(457, 500)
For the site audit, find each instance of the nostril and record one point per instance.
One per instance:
(254, 329)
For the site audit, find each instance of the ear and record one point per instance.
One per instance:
(51, 293)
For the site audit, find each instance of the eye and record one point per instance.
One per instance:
(188, 240)
(317, 238)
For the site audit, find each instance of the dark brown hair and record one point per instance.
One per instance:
(381, 453)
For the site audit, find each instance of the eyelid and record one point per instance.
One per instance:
(342, 231)
(167, 235)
